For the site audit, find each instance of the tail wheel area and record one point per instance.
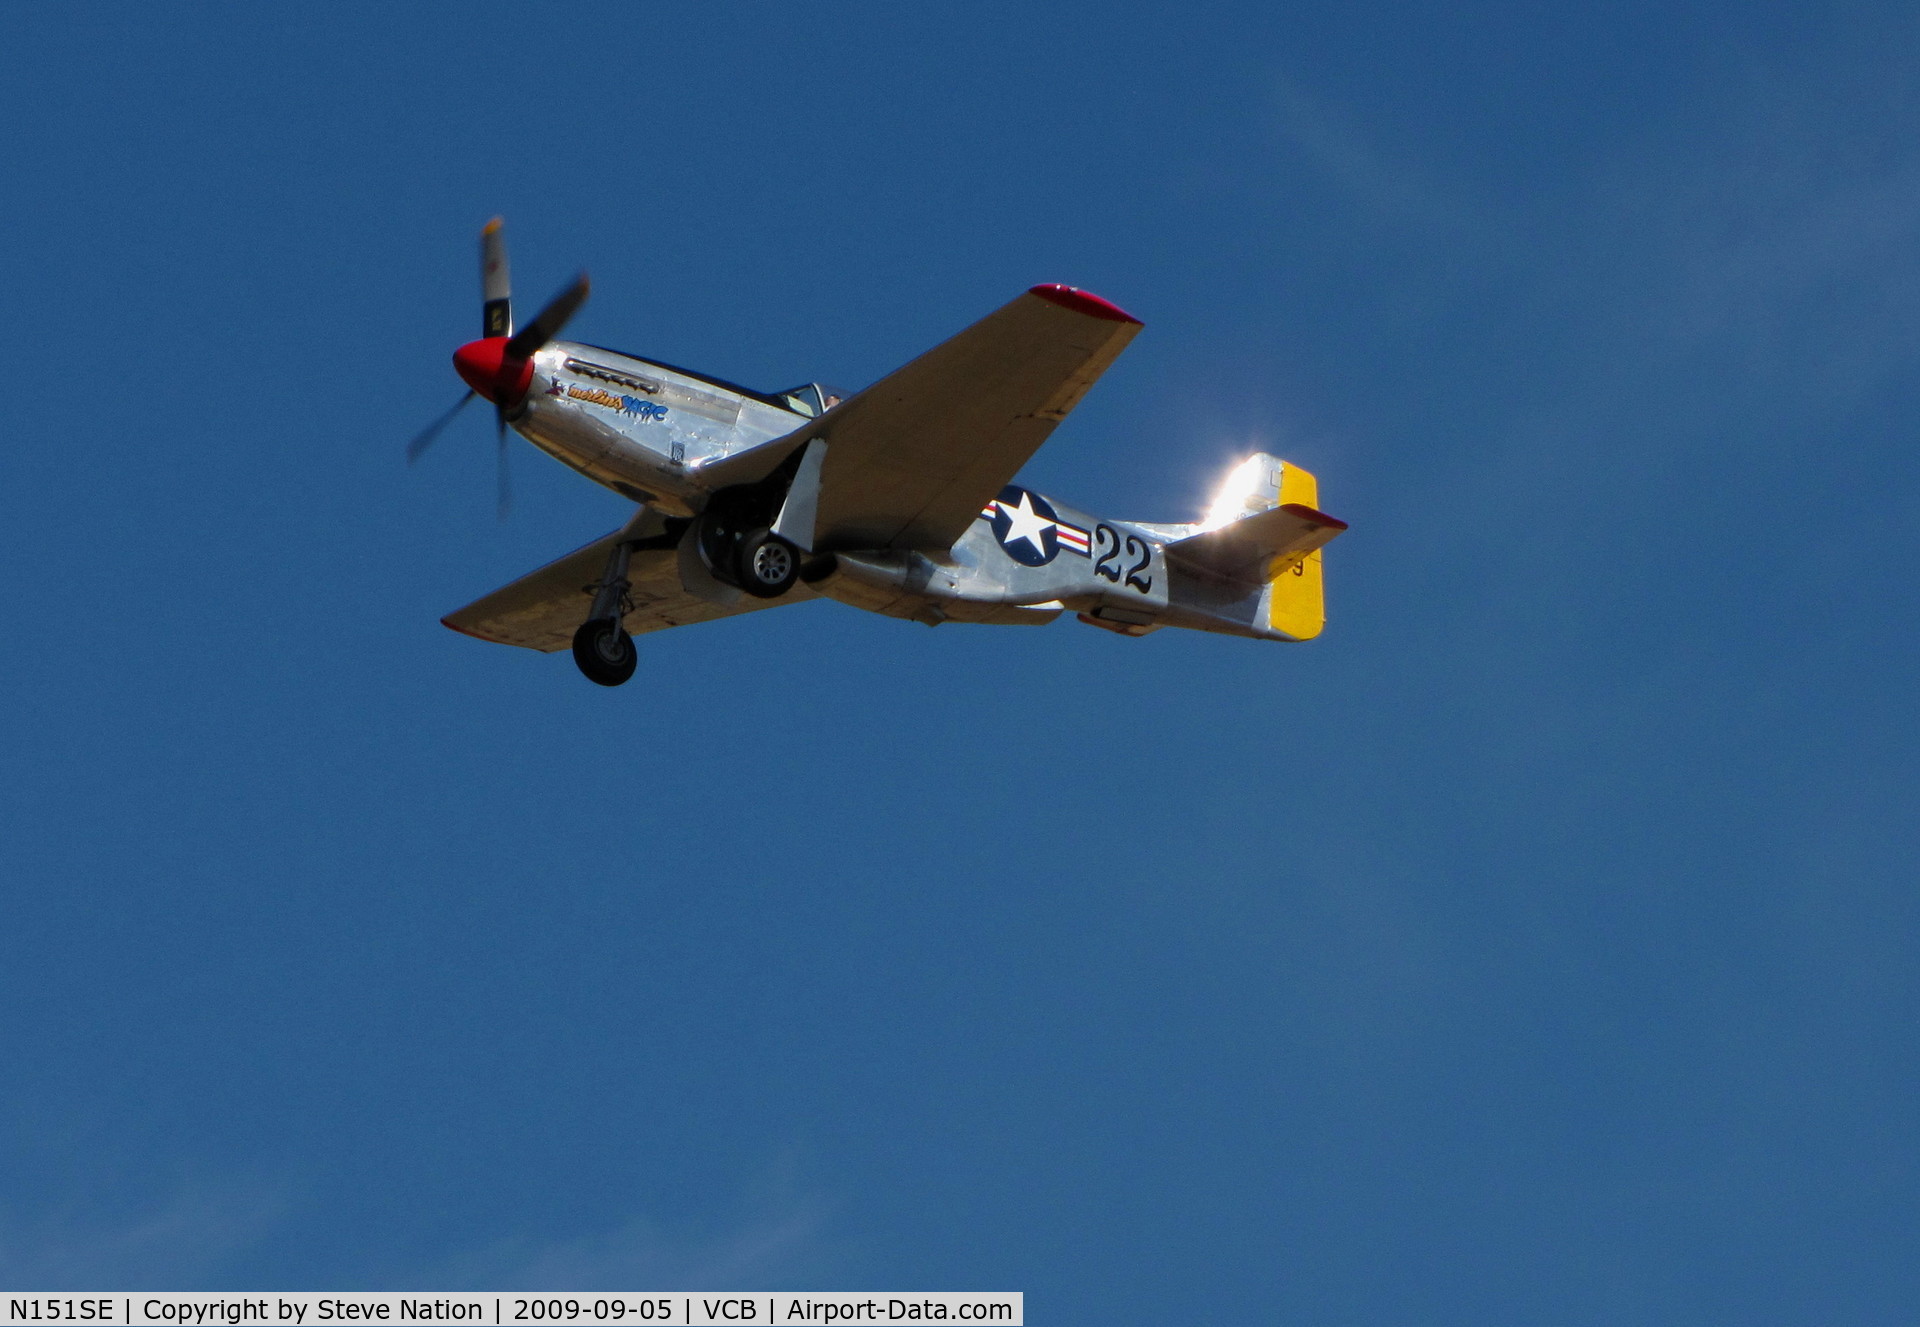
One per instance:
(767, 565)
(604, 651)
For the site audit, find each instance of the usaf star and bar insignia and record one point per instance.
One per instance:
(1030, 530)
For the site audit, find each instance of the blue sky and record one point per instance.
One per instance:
(1535, 946)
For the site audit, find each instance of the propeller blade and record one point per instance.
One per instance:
(506, 492)
(547, 323)
(424, 438)
(496, 283)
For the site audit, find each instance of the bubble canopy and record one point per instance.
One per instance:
(811, 399)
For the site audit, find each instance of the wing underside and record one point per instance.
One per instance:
(911, 460)
(543, 609)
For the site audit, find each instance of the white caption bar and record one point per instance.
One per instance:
(715, 1308)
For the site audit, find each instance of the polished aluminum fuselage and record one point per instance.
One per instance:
(652, 433)
(643, 430)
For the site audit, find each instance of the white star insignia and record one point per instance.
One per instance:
(1023, 522)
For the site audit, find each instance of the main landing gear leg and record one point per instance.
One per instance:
(602, 648)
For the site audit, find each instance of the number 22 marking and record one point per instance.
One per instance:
(1111, 548)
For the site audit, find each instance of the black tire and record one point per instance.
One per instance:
(767, 565)
(718, 539)
(604, 651)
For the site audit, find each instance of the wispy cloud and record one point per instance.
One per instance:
(1386, 182)
(788, 1246)
(643, 1255)
(1769, 239)
(209, 1235)
(183, 1242)
(1769, 210)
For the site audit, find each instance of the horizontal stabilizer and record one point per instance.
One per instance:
(1259, 547)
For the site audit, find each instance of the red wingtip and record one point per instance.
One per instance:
(1081, 301)
(451, 625)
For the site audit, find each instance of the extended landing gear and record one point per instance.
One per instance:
(742, 552)
(767, 565)
(602, 648)
(604, 651)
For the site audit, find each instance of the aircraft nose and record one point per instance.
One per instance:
(486, 368)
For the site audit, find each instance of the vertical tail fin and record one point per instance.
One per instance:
(1251, 486)
(1296, 599)
(1284, 548)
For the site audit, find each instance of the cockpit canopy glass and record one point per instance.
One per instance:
(811, 399)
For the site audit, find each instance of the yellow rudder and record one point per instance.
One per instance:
(1296, 606)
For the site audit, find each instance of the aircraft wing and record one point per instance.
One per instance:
(911, 460)
(543, 609)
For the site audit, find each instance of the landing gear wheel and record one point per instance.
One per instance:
(767, 565)
(604, 651)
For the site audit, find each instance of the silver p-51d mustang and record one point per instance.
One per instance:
(899, 499)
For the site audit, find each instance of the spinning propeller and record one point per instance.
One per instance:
(499, 366)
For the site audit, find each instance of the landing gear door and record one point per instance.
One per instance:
(695, 578)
